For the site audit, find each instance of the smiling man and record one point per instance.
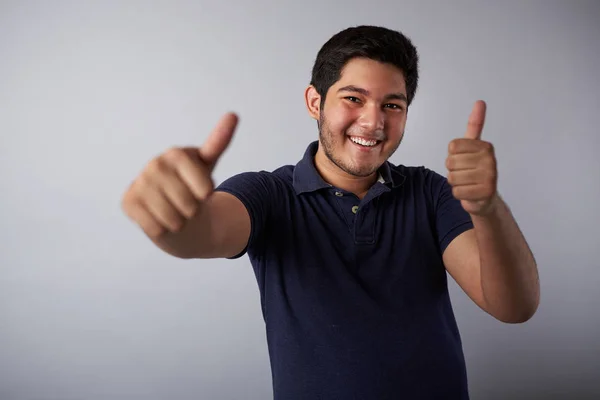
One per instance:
(361, 122)
(351, 253)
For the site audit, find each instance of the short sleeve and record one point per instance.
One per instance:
(254, 190)
(451, 219)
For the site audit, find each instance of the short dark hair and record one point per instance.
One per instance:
(373, 42)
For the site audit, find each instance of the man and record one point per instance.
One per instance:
(350, 252)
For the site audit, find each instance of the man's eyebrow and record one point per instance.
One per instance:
(365, 92)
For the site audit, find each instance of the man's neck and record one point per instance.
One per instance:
(335, 176)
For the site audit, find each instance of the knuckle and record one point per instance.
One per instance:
(130, 203)
(167, 219)
(129, 208)
(452, 146)
(170, 215)
(206, 191)
(175, 154)
(456, 191)
(143, 184)
(155, 167)
(487, 147)
(186, 207)
(490, 173)
(153, 230)
(484, 163)
(176, 223)
(126, 200)
(189, 209)
(183, 197)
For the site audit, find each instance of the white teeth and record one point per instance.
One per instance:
(363, 142)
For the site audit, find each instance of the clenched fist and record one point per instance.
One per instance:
(472, 170)
(172, 186)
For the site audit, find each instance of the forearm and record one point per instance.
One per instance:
(192, 241)
(220, 229)
(509, 276)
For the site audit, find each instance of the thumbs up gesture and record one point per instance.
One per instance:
(471, 166)
(172, 186)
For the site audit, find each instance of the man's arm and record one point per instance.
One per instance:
(173, 200)
(494, 265)
(220, 229)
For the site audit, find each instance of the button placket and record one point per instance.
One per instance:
(348, 204)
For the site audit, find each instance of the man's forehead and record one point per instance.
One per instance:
(372, 75)
(369, 89)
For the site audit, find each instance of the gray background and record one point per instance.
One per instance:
(89, 92)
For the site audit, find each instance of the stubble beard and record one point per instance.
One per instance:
(329, 142)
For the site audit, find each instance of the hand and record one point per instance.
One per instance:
(172, 186)
(471, 167)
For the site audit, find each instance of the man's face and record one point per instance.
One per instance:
(362, 121)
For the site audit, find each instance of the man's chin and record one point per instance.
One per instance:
(364, 172)
(353, 168)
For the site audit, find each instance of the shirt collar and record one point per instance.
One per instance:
(307, 179)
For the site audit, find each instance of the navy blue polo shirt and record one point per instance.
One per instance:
(354, 292)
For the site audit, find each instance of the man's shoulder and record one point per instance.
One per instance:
(260, 180)
(411, 169)
(283, 175)
(415, 174)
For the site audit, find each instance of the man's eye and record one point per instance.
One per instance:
(353, 99)
(393, 106)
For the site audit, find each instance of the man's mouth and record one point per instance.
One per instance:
(364, 142)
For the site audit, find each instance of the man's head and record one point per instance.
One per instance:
(363, 81)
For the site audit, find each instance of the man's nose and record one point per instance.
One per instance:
(372, 118)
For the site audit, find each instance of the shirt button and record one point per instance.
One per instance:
(339, 194)
(355, 209)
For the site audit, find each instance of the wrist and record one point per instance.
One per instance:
(491, 210)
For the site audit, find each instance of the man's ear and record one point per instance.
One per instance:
(313, 102)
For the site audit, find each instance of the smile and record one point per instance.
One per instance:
(364, 142)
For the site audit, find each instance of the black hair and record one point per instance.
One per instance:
(373, 42)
